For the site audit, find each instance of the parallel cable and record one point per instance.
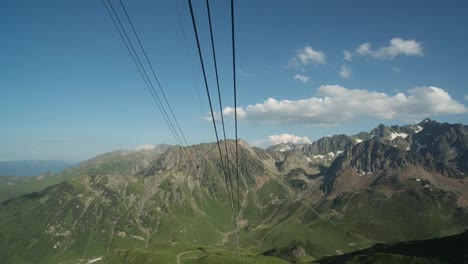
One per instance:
(154, 94)
(154, 74)
(137, 65)
(191, 65)
(190, 156)
(235, 100)
(146, 74)
(235, 119)
(150, 86)
(211, 105)
(219, 92)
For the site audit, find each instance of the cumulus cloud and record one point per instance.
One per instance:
(306, 56)
(337, 104)
(397, 47)
(345, 72)
(145, 147)
(286, 138)
(301, 78)
(363, 49)
(348, 55)
(227, 111)
(281, 138)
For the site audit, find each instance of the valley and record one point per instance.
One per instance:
(297, 204)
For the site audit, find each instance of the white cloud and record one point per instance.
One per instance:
(306, 56)
(145, 147)
(397, 47)
(466, 97)
(227, 111)
(286, 138)
(396, 69)
(281, 138)
(348, 55)
(338, 104)
(230, 111)
(301, 78)
(345, 72)
(363, 49)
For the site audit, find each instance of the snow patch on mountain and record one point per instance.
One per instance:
(394, 135)
(417, 129)
(285, 148)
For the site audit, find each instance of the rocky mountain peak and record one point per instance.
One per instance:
(370, 156)
(282, 147)
(373, 155)
(334, 144)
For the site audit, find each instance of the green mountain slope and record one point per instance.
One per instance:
(11, 186)
(451, 249)
(131, 206)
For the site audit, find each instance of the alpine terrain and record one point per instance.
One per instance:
(297, 203)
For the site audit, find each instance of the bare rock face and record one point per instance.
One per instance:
(297, 252)
(443, 141)
(377, 186)
(373, 158)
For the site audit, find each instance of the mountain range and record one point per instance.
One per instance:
(306, 201)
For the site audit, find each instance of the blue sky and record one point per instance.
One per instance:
(70, 90)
